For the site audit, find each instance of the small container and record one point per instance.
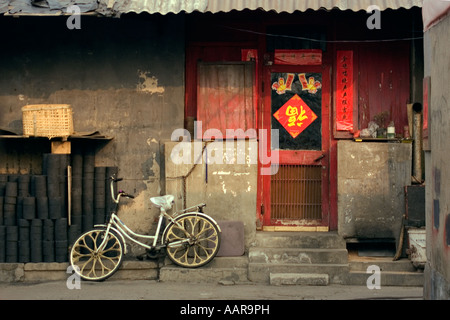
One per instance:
(406, 134)
(391, 130)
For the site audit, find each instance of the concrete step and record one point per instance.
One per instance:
(392, 273)
(260, 272)
(137, 270)
(220, 269)
(386, 264)
(313, 258)
(297, 255)
(229, 262)
(311, 279)
(322, 240)
(217, 262)
(203, 275)
(52, 271)
(387, 278)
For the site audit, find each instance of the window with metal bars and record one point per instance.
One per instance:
(296, 192)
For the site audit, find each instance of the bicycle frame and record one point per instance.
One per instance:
(125, 232)
(190, 239)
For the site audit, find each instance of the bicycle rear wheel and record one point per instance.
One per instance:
(93, 264)
(192, 240)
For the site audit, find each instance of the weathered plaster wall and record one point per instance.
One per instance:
(123, 77)
(437, 170)
(227, 183)
(371, 182)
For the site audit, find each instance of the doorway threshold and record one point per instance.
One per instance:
(296, 228)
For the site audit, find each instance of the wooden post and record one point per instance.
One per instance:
(65, 147)
(61, 147)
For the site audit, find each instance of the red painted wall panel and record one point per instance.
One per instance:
(383, 82)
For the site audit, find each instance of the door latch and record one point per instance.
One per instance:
(319, 158)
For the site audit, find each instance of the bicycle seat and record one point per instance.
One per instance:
(164, 202)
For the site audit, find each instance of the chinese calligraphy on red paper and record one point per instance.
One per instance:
(295, 116)
(344, 92)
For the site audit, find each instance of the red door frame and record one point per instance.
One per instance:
(323, 157)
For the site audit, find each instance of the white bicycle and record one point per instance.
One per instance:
(191, 239)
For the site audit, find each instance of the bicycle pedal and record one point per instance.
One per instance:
(152, 256)
(155, 254)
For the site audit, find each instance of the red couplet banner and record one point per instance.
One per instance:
(344, 92)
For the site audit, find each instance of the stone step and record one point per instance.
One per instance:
(311, 279)
(218, 262)
(51, 271)
(260, 272)
(226, 269)
(137, 270)
(403, 265)
(392, 273)
(299, 240)
(297, 256)
(387, 278)
(203, 275)
(229, 262)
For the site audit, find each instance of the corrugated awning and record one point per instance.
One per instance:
(303, 5)
(117, 7)
(215, 6)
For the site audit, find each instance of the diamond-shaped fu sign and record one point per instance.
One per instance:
(295, 116)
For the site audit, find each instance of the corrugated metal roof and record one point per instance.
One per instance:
(117, 7)
(161, 6)
(303, 5)
(214, 6)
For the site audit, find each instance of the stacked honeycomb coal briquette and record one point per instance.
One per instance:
(34, 222)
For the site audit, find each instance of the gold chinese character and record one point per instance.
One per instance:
(292, 113)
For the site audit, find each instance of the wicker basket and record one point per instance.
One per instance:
(47, 120)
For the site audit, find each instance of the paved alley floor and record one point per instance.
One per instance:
(197, 301)
(155, 290)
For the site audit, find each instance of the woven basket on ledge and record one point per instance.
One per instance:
(47, 120)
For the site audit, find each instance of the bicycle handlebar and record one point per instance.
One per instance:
(121, 193)
(124, 194)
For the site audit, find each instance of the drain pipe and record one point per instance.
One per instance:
(417, 146)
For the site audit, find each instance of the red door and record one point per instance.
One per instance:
(296, 106)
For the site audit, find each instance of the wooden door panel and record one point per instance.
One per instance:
(297, 195)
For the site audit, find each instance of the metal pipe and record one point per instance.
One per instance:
(417, 146)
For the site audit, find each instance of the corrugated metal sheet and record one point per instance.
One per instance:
(161, 6)
(117, 7)
(303, 5)
(214, 6)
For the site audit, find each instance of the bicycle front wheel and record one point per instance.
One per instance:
(192, 241)
(93, 264)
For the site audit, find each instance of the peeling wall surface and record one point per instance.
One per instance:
(220, 179)
(371, 181)
(437, 198)
(122, 77)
